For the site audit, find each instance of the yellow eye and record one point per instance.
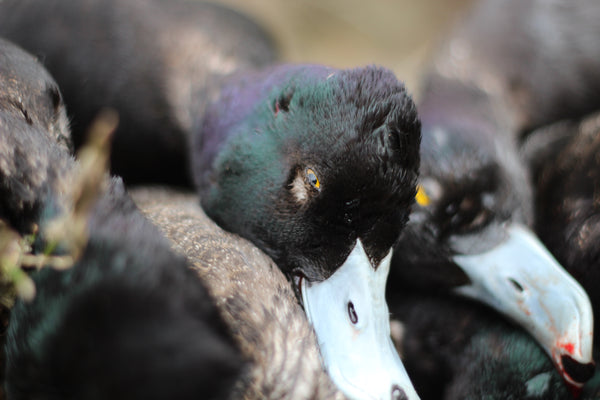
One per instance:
(422, 199)
(311, 177)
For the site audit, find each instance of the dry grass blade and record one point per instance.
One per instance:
(88, 182)
(13, 280)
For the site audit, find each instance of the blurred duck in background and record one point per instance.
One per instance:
(472, 353)
(505, 69)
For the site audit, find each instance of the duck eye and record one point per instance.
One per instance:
(312, 179)
(465, 215)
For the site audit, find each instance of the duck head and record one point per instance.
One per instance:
(469, 233)
(318, 168)
(34, 138)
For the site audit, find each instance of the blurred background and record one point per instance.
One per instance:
(397, 34)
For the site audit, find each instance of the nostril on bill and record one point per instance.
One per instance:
(578, 372)
(398, 393)
(352, 313)
(516, 285)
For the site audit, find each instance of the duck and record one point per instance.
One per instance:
(159, 90)
(330, 182)
(327, 208)
(117, 323)
(473, 222)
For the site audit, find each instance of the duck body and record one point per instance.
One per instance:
(484, 92)
(146, 65)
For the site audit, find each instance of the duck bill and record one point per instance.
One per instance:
(351, 320)
(522, 280)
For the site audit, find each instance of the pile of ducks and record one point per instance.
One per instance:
(262, 221)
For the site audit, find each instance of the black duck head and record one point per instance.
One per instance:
(318, 168)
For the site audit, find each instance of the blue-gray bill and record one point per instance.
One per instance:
(350, 316)
(522, 280)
